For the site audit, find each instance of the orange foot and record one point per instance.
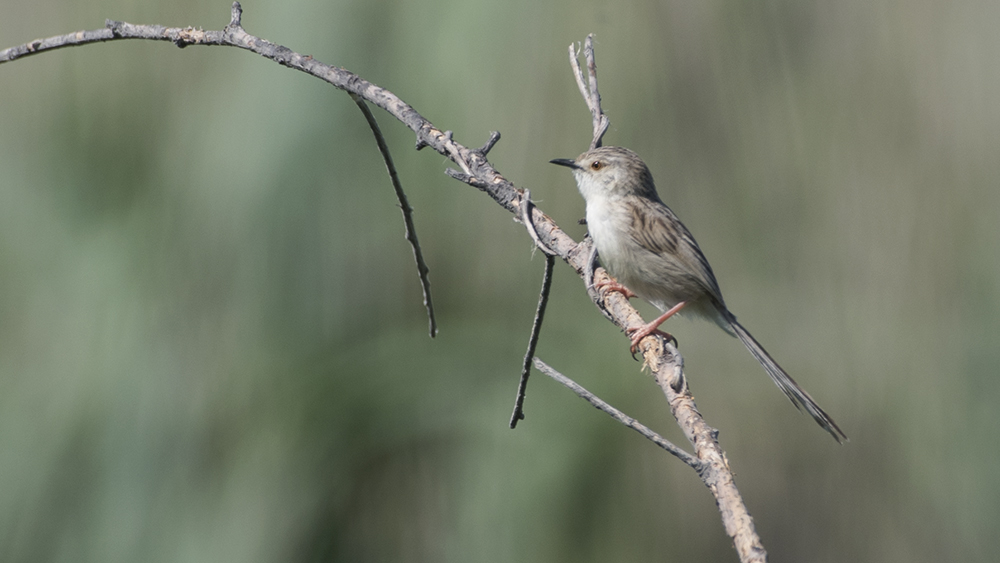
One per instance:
(613, 285)
(637, 334)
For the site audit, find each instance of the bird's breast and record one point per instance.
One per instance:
(619, 252)
(657, 278)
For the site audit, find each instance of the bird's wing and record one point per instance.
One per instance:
(657, 229)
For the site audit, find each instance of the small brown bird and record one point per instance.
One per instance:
(653, 256)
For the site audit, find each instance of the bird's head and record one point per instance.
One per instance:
(610, 172)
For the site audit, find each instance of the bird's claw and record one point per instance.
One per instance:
(612, 285)
(637, 334)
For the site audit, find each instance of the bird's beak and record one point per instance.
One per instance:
(565, 162)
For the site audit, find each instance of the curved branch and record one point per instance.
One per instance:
(404, 205)
(662, 358)
(472, 162)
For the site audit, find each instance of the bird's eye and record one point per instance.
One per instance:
(596, 165)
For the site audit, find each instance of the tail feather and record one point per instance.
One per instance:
(796, 394)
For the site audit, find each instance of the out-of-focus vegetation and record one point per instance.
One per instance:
(212, 345)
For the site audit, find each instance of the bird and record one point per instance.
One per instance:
(652, 255)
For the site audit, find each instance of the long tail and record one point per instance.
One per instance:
(796, 394)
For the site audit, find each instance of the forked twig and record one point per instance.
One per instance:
(404, 205)
(588, 88)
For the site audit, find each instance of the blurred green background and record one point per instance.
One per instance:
(212, 343)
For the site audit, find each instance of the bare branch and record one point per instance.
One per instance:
(666, 365)
(476, 170)
(404, 205)
(536, 327)
(619, 415)
(588, 88)
(472, 162)
(57, 42)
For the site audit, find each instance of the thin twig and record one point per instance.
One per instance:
(581, 84)
(404, 205)
(588, 53)
(619, 415)
(528, 219)
(536, 328)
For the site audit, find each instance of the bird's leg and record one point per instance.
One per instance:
(613, 285)
(637, 334)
